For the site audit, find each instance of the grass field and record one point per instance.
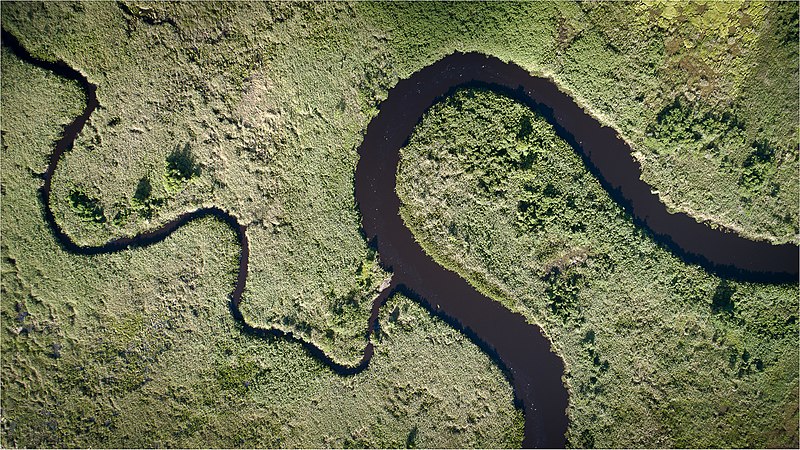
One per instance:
(259, 109)
(139, 348)
(659, 353)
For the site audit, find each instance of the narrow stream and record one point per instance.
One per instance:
(520, 348)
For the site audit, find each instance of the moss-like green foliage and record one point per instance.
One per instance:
(681, 127)
(181, 167)
(85, 207)
(279, 152)
(139, 348)
(651, 344)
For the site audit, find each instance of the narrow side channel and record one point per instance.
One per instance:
(66, 142)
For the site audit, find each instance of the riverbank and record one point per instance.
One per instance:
(164, 85)
(652, 346)
(104, 336)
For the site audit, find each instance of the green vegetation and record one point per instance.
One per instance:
(659, 353)
(139, 348)
(272, 100)
(88, 209)
(627, 62)
(259, 109)
(181, 167)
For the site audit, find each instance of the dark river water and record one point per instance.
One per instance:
(519, 347)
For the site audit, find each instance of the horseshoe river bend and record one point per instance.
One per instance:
(520, 348)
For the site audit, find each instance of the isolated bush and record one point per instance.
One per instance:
(85, 207)
(181, 167)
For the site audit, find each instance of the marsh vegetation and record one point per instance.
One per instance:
(658, 352)
(259, 109)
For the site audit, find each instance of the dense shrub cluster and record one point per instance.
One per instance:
(87, 208)
(686, 127)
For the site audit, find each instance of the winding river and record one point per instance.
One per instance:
(520, 348)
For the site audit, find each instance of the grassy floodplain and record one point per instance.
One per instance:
(658, 353)
(259, 108)
(139, 348)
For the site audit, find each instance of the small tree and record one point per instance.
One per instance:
(181, 167)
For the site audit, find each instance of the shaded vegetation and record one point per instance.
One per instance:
(85, 207)
(722, 301)
(181, 167)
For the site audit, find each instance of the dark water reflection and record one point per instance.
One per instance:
(520, 347)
